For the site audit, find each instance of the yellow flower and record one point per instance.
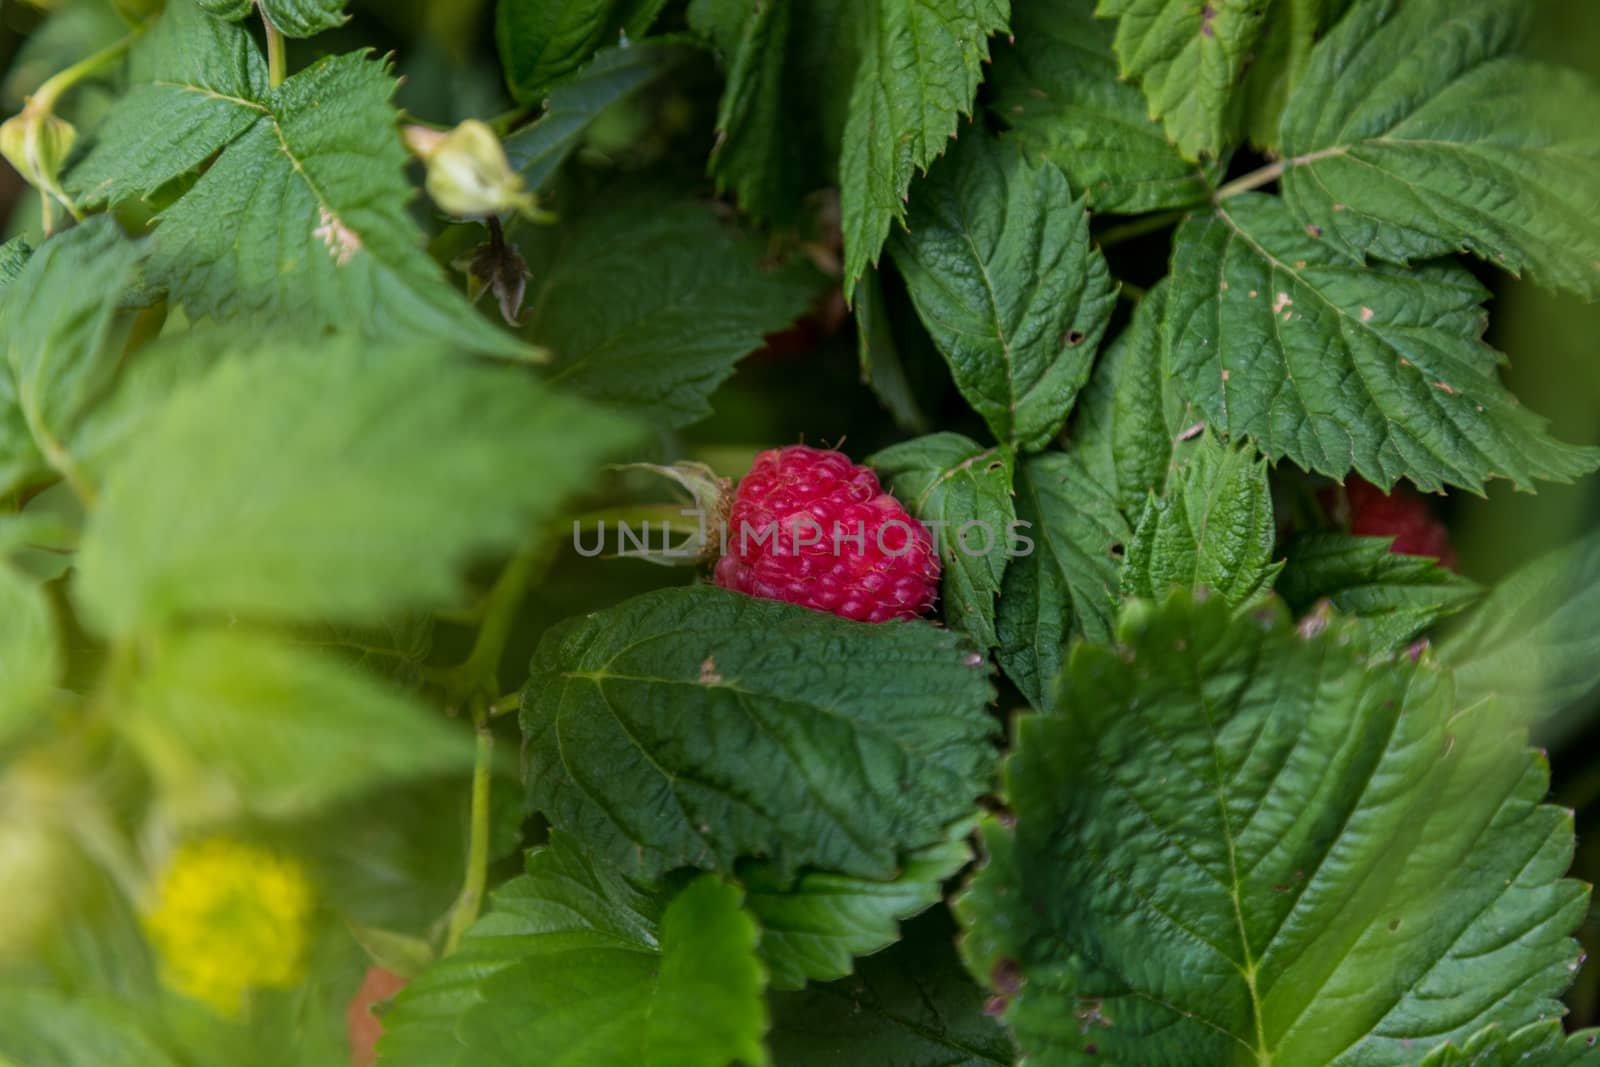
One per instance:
(230, 918)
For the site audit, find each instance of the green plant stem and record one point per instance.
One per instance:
(1254, 180)
(46, 96)
(470, 902)
(277, 65)
(1139, 227)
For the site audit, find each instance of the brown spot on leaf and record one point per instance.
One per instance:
(708, 672)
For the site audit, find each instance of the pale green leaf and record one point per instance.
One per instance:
(569, 969)
(41, 1027)
(296, 18)
(919, 70)
(56, 319)
(1189, 57)
(1239, 843)
(812, 929)
(1534, 643)
(30, 659)
(1396, 597)
(911, 1006)
(961, 491)
(538, 149)
(337, 480)
(1543, 1044)
(1131, 415)
(542, 43)
(728, 726)
(1418, 131)
(1058, 87)
(192, 82)
(647, 301)
(998, 262)
(1067, 584)
(1212, 528)
(229, 721)
(1342, 368)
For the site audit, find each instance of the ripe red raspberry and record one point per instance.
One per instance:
(362, 1025)
(811, 528)
(1402, 515)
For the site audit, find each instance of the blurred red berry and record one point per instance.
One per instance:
(809, 527)
(1403, 515)
(361, 1023)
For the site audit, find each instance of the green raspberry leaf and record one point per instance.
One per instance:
(252, 495)
(542, 44)
(230, 722)
(572, 967)
(57, 318)
(962, 492)
(1542, 1043)
(1189, 57)
(1532, 644)
(919, 70)
(1418, 131)
(813, 929)
(720, 718)
(1242, 843)
(1342, 368)
(998, 262)
(1057, 86)
(1396, 597)
(296, 18)
(538, 149)
(647, 300)
(912, 1006)
(1280, 63)
(1067, 585)
(1211, 529)
(30, 657)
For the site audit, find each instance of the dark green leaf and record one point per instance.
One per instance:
(296, 18)
(647, 302)
(255, 495)
(962, 492)
(1242, 843)
(691, 727)
(998, 262)
(1212, 528)
(919, 69)
(1057, 85)
(1281, 58)
(882, 368)
(1396, 597)
(1341, 368)
(1417, 131)
(1067, 584)
(542, 43)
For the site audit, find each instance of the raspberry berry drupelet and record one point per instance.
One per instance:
(810, 527)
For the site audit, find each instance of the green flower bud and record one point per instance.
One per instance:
(37, 142)
(468, 173)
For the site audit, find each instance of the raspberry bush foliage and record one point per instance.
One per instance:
(390, 394)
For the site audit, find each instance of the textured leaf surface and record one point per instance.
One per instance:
(543, 43)
(227, 721)
(919, 69)
(29, 656)
(56, 317)
(1243, 844)
(647, 302)
(254, 496)
(690, 727)
(571, 969)
(1132, 414)
(1417, 131)
(962, 492)
(1534, 643)
(998, 262)
(303, 216)
(813, 929)
(911, 1006)
(538, 149)
(1280, 61)
(1058, 87)
(1188, 57)
(1211, 529)
(1341, 368)
(1543, 1043)
(756, 157)
(1396, 597)
(296, 18)
(1068, 584)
